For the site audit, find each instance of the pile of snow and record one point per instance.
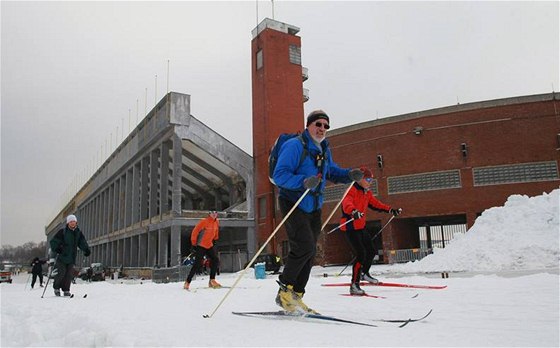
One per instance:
(521, 235)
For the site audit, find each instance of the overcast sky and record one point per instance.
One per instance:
(71, 71)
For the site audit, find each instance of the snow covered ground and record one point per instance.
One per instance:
(502, 290)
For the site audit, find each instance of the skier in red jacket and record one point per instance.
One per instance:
(354, 206)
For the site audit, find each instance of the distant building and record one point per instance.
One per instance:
(442, 166)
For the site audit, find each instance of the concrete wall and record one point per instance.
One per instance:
(139, 208)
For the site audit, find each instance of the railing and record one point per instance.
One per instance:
(233, 261)
(405, 255)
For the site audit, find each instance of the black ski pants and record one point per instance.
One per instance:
(35, 275)
(64, 276)
(302, 229)
(362, 245)
(198, 258)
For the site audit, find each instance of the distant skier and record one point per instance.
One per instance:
(37, 271)
(89, 274)
(65, 243)
(354, 206)
(203, 237)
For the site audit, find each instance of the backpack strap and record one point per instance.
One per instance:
(304, 153)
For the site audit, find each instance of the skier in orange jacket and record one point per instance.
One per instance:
(203, 236)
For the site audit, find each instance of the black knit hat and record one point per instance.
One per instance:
(316, 115)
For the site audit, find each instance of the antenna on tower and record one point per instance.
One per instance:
(272, 8)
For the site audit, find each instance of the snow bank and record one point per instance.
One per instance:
(521, 235)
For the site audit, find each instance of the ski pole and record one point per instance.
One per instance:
(349, 263)
(382, 228)
(257, 254)
(339, 226)
(337, 205)
(49, 277)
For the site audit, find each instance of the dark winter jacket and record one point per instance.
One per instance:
(65, 243)
(37, 266)
(289, 175)
(359, 199)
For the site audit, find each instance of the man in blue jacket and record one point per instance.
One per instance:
(294, 176)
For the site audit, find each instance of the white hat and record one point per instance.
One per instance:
(71, 218)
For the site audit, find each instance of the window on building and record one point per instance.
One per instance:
(515, 173)
(424, 182)
(295, 54)
(259, 59)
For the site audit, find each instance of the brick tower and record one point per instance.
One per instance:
(278, 97)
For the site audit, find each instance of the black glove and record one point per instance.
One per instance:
(356, 214)
(311, 182)
(87, 253)
(356, 174)
(395, 212)
(193, 249)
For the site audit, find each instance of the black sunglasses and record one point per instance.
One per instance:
(321, 124)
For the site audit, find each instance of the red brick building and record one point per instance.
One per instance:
(442, 166)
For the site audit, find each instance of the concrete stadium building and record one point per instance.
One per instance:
(138, 209)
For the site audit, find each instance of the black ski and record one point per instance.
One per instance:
(72, 296)
(303, 316)
(404, 322)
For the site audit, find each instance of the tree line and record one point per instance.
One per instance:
(23, 254)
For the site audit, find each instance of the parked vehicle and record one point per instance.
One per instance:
(96, 272)
(5, 277)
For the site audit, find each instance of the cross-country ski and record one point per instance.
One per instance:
(307, 316)
(302, 316)
(397, 285)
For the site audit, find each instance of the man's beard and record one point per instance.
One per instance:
(318, 139)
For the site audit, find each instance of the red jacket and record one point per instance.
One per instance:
(205, 233)
(359, 199)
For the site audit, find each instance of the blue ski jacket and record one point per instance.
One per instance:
(289, 177)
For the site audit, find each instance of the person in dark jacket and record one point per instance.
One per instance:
(354, 206)
(65, 244)
(294, 175)
(37, 271)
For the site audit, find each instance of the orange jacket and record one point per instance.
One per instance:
(359, 199)
(205, 233)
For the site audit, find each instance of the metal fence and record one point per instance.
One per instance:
(170, 274)
(439, 235)
(430, 237)
(405, 255)
(233, 261)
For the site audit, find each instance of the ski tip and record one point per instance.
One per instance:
(405, 323)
